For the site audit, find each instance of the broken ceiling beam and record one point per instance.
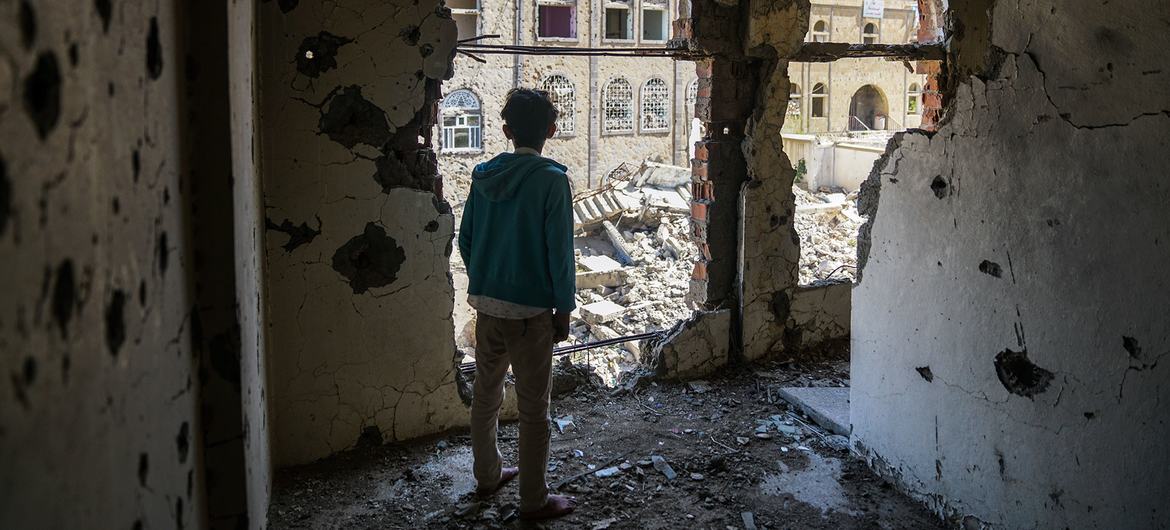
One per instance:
(822, 52)
(620, 246)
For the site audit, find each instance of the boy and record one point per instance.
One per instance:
(516, 239)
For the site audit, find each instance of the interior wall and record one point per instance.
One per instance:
(359, 335)
(1008, 333)
(250, 297)
(99, 416)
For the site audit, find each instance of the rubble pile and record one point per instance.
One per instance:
(827, 223)
(634, 258)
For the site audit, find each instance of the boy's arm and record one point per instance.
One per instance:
(465, 229)
(558, 223)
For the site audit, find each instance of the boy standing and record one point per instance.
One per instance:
(516, 239)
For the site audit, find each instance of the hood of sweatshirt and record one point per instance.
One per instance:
(498, 179)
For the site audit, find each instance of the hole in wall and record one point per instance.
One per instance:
(42, 94)
(1019, 375)
(154, 54)
(105, 10)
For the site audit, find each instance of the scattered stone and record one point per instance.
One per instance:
(608, 472)
(663, 467)
(564, 423)
(699, 387)
(697, 477)
(749, 520)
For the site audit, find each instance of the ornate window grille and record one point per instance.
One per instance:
(794, 100)
(564, 98)
(618, 105)
(655, 105)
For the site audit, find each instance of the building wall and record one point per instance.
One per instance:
(842, 78)
(359, 333)
(1009, 344)
(99, 415)
(491, 81)
(248, 208)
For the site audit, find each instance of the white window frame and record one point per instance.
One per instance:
(663, 98)
(566, 113)
(821, 97)
(654, 6)
(606, 105)
(456, 11)
(914, 99)
(629, 9)
(876, 35)
(573, 22)
(457, 105)
(819, 36)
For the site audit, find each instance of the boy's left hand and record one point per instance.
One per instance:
(560, 326)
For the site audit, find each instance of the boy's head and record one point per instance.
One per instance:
(529, 117)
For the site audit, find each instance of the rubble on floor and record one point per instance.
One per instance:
(827, 222)
(713, 454)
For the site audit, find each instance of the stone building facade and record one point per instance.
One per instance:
(614, 110)
(857, 94)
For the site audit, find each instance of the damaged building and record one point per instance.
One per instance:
(228, 299)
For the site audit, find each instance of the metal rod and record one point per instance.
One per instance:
(565, 350)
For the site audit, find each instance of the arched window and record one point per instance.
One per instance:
(913, 99)
(618, 105)
(820, 31)
(462, 122)
(869, 33)
(564, 98)
(655, 105)
(692, 98)
(794, 99)
(818, 100)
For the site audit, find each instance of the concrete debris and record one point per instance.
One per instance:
(827, 223)
(660, 464)
(749, 520)
(565, 423)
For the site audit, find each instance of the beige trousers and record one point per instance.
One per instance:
(527, 346)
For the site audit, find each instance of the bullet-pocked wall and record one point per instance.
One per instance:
(99, 415)
(1009, 349)
(359, 333)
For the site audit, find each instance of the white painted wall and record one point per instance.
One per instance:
(1055, 170)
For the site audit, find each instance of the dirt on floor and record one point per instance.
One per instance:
(740, 457)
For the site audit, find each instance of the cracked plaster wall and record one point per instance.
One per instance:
(359, 333)
(1009, 344)
(249, 258)
(820, 313)
(769, 247)
(99, 415)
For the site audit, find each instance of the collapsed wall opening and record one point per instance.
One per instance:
(624, 120)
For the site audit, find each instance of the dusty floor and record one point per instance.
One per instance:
(792, 476)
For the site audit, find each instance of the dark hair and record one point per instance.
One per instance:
(528, 113)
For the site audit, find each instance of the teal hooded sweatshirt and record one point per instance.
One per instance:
(516, 235)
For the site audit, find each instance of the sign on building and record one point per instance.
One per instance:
(873, 8)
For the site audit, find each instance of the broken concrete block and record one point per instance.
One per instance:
(601, 312)
(599, 263)
(597, 279)
(663, 467)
